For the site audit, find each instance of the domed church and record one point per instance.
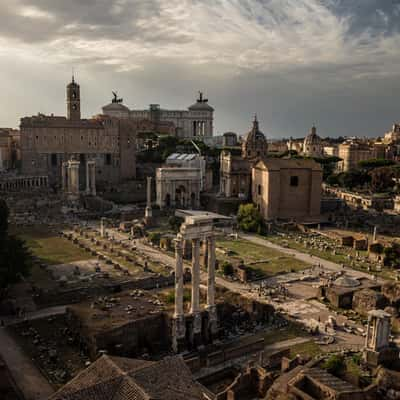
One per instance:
(313, 146)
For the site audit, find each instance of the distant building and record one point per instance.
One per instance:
(48, 142)
(192, 161)
(236, 163)
(195, 122)
(287, 188)
(352, 152)
(331, 151)
(9, 148)
(393, 136)
(313, 146)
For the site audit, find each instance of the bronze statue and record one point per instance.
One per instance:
(116, 99)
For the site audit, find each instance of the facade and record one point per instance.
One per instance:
(49, 141)
(192, 161)
(353, 151)
(236, 163)
(393, 136)
(9, 148)
(313, 146)
(287, 188)
(178, 187)
(195, 122)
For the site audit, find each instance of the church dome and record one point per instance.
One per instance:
(312, 139)
(254, 142)
(201, 104)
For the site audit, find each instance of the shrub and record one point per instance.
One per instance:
(227, 268)
(335, 364)
(154, 237)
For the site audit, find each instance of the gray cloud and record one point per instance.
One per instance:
(295, 62)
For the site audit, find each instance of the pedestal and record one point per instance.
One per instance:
(178, 334)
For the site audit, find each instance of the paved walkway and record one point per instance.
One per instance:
(28, 378)
(43, 313)
(286, 344)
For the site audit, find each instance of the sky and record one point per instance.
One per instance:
(294, 63)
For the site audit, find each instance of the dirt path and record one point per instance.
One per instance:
(27, 377)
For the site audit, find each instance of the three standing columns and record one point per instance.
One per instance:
(179, 325)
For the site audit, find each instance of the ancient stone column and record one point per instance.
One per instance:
(87, 177)
(64, 176)
(93, 178)
(178, 323)
(148, 211)
(211, 272)
(195, 306)
(211, 308)
(73, 167)
(178, 278)
(102, 228)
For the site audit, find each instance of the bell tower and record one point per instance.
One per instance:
(73, 100)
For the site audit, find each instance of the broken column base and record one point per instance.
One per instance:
(195, 334)
(148, 216)
(178, 334)
(385, 356)
(212, 322)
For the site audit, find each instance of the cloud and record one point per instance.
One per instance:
(306, 45)
(235, 35)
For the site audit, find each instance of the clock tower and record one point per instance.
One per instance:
(73, 101)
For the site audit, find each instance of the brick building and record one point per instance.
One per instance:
(287, 188)
(49, 141)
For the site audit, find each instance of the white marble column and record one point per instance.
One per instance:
(195, 306)
(93, 178)
(178, 278)
(87, 177)
(178, 322)
(148, 211)
(64, 176)
(211, 308)
(211, 272)
(73, 169)
(102, 227)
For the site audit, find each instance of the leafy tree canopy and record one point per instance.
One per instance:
(249, 218)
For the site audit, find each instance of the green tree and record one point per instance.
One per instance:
(375, 163)
(15, 258)
(249, 218)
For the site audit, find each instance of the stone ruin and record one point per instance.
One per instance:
(195, 229)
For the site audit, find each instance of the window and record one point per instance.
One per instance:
(259, 189)
(108, 159)
(294, 181)
(54, 160)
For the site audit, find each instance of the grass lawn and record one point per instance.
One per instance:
(341, 256)
(279, 335)
(267, 261)
(310, 348)
(49, 247)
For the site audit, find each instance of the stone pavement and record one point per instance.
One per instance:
(28, 378)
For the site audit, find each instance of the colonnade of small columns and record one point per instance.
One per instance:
(22, 183)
